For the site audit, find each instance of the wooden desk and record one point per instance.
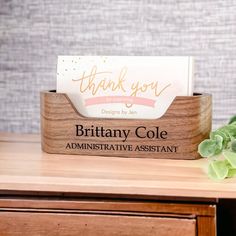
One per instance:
(47, 194)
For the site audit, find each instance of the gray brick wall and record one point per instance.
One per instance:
(34, 32)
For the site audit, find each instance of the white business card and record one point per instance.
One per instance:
(128, 87)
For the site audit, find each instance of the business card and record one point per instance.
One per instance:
(130, 87)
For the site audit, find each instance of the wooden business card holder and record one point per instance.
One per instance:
(175, 135)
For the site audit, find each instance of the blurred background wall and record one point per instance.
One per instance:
(34, 32)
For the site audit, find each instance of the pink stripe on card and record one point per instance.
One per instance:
(120, 99)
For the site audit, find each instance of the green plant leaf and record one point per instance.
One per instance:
(233, 145)
(232, 120)
(225, 136)
(212, 173)
(231, 173)
(230, 157)
(218, 169)
(209, 147)
(229, 130)
(219, 143)
(221, 140)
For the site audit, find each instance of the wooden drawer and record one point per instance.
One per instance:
(56, 223)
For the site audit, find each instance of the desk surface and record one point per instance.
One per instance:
(24, 167)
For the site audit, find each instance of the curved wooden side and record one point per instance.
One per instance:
(187, 122)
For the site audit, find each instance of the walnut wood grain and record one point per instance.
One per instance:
(206, 226)
(37, 217)
(128, 206)
(16, 223)
(187, 122)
